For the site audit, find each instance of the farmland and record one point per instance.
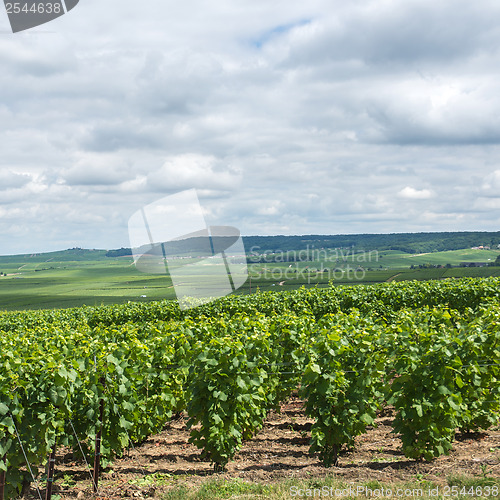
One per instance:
(87, 277)
(425, 351)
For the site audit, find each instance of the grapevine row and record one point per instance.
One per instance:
(229, 363)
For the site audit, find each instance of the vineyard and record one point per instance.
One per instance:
(96, 379)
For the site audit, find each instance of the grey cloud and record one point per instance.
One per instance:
(397, 33)
(92, 178)
(118, 136)
(98, 170)
(283, 126)
(10, 179)
(37, 57)
(176, 82)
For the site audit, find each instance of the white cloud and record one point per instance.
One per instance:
(491, 184)
(194, 170)
(269, 207)
(92, 169)
(294, 117)
(415, 194)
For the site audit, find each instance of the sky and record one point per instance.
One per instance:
(287, 117)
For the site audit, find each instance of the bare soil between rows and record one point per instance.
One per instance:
(279, 451)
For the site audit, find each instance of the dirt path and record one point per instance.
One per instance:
(278, 452)
(392, 277)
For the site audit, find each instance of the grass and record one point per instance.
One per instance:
(69, 284)
(222, 489)
(55, 281)
(467, 487)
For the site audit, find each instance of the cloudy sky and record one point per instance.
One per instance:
(288, 117)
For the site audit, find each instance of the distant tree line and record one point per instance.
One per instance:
(404, 242)
(121, 252)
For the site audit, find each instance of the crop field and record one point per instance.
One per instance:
(95, 380)
(74, 283)
(86, 277)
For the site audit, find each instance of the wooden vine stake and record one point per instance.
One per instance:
(3, 475)
(50, 473)
(98, 438)
(335, 462)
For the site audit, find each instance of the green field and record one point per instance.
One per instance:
(96, 381)
(74, 283)
(87, 277)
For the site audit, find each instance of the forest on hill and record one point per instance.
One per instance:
(405, 242)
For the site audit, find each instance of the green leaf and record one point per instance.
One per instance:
(4, 409)
(367, 419)
(241, 383)
(418, 409)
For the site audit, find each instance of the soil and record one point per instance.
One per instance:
(279, 451)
